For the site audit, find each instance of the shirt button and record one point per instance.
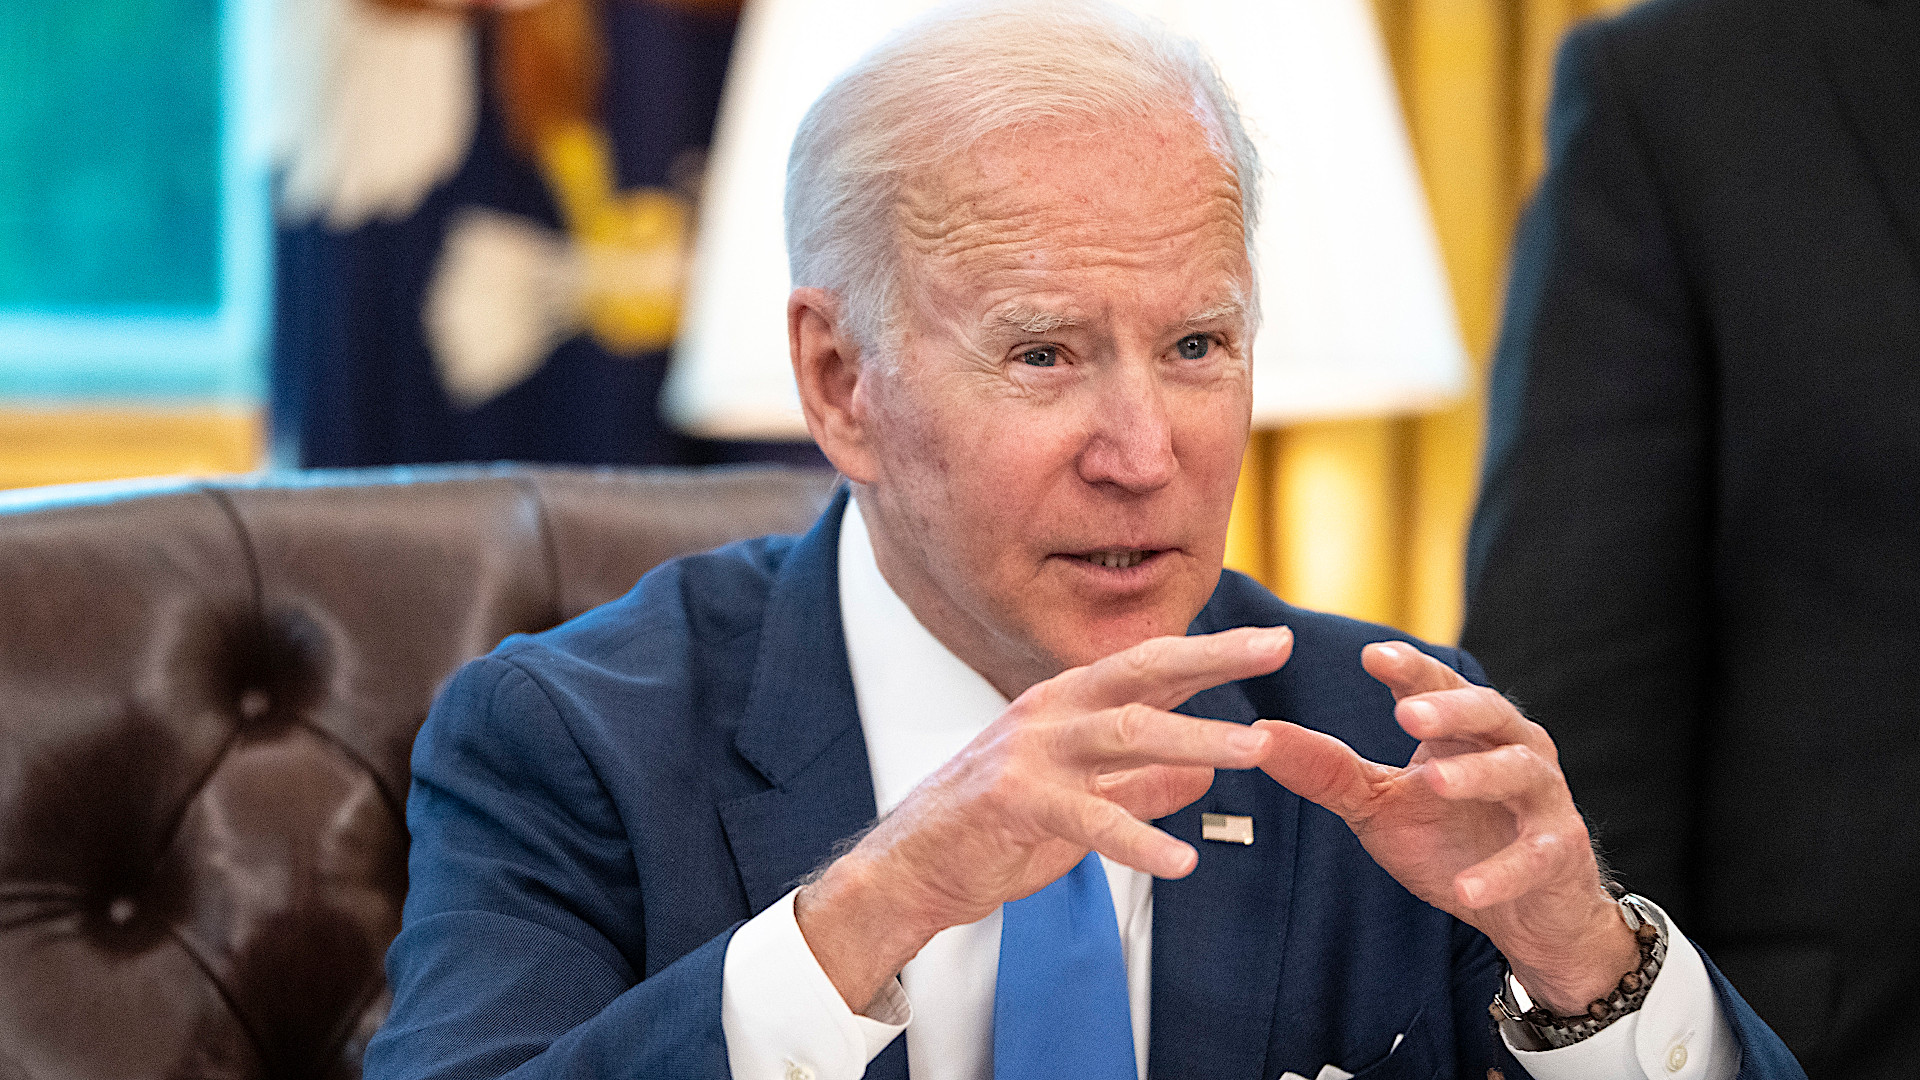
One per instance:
(797, 1071)
(1676, 1058)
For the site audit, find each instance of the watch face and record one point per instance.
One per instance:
(1637, 912)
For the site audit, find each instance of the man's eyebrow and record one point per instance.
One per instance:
(1231, 308)
(1029, 320)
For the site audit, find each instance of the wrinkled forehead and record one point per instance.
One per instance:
(1135, 192)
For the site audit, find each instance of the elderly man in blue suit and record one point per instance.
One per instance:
(995, 773)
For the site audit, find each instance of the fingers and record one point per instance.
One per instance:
(1438, 704)
(1163, 672)
(1513, 774)
(1136, 735)
(1319, 768)
(1520, 867)
(1552, 834)
(1155, 790)
(1473, 715)
(1408, 671)
(1089, 821)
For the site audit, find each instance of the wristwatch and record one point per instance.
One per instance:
(1529, 1027)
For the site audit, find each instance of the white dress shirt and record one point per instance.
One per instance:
(919, 705)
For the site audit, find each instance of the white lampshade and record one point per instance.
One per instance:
(1358, 317)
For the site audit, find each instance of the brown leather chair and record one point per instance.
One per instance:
(208, 693)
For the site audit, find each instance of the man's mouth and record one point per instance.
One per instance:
(1117, 558)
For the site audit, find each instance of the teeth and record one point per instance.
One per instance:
(1117, 560)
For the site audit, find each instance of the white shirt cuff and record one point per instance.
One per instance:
(783, 1019)
(1678, 1033)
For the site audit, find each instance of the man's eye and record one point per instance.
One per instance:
(1194, 346)
(1043, 356)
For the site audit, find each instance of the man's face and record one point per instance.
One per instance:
(1054, 459)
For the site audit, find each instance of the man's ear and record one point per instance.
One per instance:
(826, 366)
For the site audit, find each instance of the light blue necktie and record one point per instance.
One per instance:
(1060, 1002)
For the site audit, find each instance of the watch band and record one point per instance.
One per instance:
(1529, 1027)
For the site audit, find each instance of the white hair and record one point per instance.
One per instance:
(944, 82)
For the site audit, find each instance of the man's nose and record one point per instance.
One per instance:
(1130, 434)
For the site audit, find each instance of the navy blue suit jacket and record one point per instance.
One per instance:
(596, 808)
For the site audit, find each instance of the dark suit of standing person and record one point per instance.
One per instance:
(1696, 558)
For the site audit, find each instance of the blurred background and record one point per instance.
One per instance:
(240, 233)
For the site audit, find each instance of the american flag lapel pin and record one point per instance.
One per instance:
(1227, 828)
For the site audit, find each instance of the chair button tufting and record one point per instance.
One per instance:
(122, 910)
(254, 703)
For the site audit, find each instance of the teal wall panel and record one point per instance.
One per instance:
(135, 229)
(110, 156)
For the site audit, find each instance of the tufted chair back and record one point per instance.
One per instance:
(208, 693)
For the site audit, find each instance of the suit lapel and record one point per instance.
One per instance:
(1871, 48)
(801, 729)
(802, 732)
(1219, 934)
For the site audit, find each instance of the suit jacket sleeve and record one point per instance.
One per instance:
(523, 911)
(1587, 565)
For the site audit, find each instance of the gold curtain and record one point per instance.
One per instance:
(1369, 517)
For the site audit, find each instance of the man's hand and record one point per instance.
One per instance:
(1079, 762)
(1479, 824)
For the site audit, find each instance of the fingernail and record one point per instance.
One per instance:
(1248, 739)
(1473, 889)
(1448, 773)
(1388, 647)
(1267, 641)
(1422, 712)
(1183, 864)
